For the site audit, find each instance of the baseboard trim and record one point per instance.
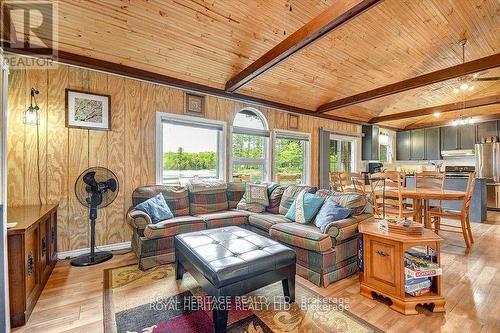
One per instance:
(108, 247)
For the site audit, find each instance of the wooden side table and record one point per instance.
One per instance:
(383, 268)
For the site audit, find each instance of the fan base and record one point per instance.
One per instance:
(87, 260)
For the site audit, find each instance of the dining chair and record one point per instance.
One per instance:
(438, 213)
(335, 182)
(387, 196)
(429, 180)
(350, 181)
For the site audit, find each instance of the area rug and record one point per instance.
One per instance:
(153, 301)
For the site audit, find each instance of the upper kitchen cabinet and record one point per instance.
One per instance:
(403, 144)
(449, 138)
(417, 150)
(432, 148)
(370, 143)
(467, 136)
(487, 129)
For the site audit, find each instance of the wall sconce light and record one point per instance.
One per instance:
(31, 114)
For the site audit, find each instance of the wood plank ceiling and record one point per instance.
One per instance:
(208, 42)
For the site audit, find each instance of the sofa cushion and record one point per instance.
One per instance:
(205, 202)
(197, 184)
(156, 208)
(343, 229)
(224, 218)
(265, 221)
(176, 197)
(174, 226)
(235, 191)
(275, 199)
(358, 202)
(305, 207)
(290, 194)
(330, 213)
(251, 207)
(305, 236)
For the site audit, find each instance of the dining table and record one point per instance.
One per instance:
(422, 196)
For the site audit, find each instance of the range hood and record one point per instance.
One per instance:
(457, 153)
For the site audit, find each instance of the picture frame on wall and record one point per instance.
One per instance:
(195, 105)
(293, 122)
(88, 110)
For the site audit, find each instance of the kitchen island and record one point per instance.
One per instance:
(478, 204)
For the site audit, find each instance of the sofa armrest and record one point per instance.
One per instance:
(138, 220)
(346, 228)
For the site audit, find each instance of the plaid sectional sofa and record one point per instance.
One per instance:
(322, 258)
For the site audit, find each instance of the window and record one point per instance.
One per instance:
(342, 154)
(385, 147)
(250, 146)
(189, 147)
(291, 158)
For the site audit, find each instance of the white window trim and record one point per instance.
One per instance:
(307, 153)
(267, 150)
(160, 116)
(356, 148)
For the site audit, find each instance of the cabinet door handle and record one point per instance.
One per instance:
(382, 253)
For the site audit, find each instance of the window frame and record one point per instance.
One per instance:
(306, 175)
(221, 144)
(265, 160)
(355, 146)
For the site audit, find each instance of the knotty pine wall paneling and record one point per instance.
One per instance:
(128, 149)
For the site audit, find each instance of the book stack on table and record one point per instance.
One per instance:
(419, 269)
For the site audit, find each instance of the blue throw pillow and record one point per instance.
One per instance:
(157, 208)
(306, 205)
(330, 213)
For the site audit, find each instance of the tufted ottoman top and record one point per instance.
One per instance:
(230, 254)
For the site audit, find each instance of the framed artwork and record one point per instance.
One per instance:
(195, 105)
(88, 110)
(293, 121)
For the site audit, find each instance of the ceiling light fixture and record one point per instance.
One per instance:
(437, 114)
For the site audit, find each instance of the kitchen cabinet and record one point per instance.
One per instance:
(449, 138)
(403, 143)
(417, 150)
(370, 143)
(489, 128)
(467, 135)
(432, 148)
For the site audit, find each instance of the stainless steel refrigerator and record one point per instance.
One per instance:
(488, 167)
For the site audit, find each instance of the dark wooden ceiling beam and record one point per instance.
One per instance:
(416, 82)
(449, 122)
(336, 15)
(473, 103)
(136, 73)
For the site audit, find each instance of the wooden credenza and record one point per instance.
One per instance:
(32, 254)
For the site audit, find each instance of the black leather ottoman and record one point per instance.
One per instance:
(232, 261)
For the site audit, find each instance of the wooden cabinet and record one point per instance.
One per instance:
(432, 146)
(487, 129)
(403, 143)
(370, 143)
(449, 138)
(417, 144)
(32, 254)
(467, 136)
(383, 267)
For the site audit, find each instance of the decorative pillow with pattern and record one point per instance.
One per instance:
(305, 207)
(257, 193)
(275, 199)
(251, 207)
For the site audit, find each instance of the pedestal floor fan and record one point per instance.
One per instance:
(95, 188)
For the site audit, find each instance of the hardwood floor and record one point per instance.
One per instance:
(72, 299)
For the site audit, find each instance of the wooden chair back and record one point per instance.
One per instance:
(429, 179)
(335, 182)
(390, 196)
(352, 181)
(471, 182)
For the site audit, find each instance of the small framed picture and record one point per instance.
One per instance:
(195, 105)
(293, 121)
(87, 110)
